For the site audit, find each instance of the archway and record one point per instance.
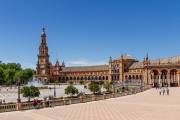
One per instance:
(137, 77)
(126, 77)
(106, 77)
(173, 78)
(133, 77)
(99, 77)
(164, 81)
(103, 78)
(155, 78)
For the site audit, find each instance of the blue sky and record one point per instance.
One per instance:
(87, 32)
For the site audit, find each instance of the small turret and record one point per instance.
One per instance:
(122, 56)
(146, 60)
(110, 59)
(57, 63)
(63, 64)
(159, 61)
(147, 57)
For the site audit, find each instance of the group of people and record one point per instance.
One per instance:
(163, 91)
(36, 103)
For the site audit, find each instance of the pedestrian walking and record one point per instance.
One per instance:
(167, 91)
(164, 91)
(47, 102)
(160, 92)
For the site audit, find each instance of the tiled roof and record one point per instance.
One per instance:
(161, 61)
(136, 65)
(168, 60)
(85, 68)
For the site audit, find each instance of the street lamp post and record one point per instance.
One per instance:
(54, 89)
(18, 83)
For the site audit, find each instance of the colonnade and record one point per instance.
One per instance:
(165, 77)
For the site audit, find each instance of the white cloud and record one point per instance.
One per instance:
(84, 62)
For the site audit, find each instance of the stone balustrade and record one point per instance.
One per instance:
(8, 108)
(58, 102)
(66, 101)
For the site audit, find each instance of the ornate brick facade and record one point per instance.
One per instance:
(161, 72)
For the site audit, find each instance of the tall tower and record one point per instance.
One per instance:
(43, 64)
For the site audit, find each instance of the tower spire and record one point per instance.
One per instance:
(63, 64)
(43, 34)
(147, 57)
(110, 59)
(43, 28)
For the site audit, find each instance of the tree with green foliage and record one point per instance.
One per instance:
(9, 75)
(15, 66)
(81, 82)
(94, 87)
(101, 82)
(107, 85)
(25, 75)
(30, 92)
(2, 76)
(11, 71)
(71, 82)
(71, 90)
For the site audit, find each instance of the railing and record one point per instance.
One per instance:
(107, 96)
(66, 101)
(29, 106)
(57, 102)
(99, 97)
(87, 99)
(7, 108)
(75, 100)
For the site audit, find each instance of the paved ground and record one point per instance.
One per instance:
(143, 106)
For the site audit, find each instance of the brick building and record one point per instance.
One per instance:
(165, 71)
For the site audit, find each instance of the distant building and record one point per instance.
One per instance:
(165, 71)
